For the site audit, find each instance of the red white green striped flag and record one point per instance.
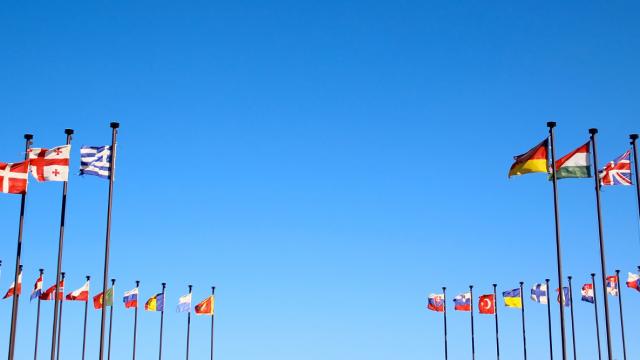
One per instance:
(575, 164)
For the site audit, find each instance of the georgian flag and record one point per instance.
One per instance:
(81, 294)
(50, 164)
(13, 177)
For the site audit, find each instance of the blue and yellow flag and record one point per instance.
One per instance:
(155, 303)
(512, 298)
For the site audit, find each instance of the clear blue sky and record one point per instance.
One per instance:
(325, 164)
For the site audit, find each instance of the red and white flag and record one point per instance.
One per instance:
(50, 164)
(48, 294)
(487, 304)
(81, 294)
(13, 177)
(12, 290)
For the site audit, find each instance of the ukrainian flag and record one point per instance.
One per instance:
(155, 303)
(512, 298)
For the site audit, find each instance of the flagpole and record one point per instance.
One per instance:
(213, 290)
(63, 209)
(624, 343)
(84, 332)
(135, 323)
(551, 125)
(573, 327)
(35, 349)
(112, 172)
(444, 301)
(113, 283)
(549, 319)
(524, 335)
(595, 307)
(603, 266)
(164, 285)
(188, 324)
(473, 342)
(495, 311)
(634, 138)
(14, 305)
(60, 315)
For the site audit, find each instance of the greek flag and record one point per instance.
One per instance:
(95, 160)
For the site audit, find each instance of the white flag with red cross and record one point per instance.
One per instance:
(50, 164)
(13, 177)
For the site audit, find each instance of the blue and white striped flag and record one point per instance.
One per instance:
(95, 160)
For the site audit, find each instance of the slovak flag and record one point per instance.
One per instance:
(37, 288)
(81, 294)
(130, 299)
(633, 281)
(436, 302)
(462, 302)
(587, 293)
(12, 289)
(50, 164)
(612, 285)
(487, 304)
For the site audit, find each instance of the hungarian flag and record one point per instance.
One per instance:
(48, 294)
(487, 304)
(81, 294)
(205, 307)
(12, 289)
(99, 299)
(575, 164)
(13, 177)
(633, 281)
(436, 302)
(534, 160)
(50, 164)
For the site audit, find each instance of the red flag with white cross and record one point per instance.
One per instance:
(50, 164)
(13, 177)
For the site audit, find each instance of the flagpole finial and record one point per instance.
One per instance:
(62, 274)
(633, 137)
(213, 290)
(28, 136)
(617, 272)
(569, 277)
(137, 283)
(113, 281)
(593, 274)
(88, 277)
(547, 280)
(115, 125)
(470, 286)
(593, 131)
(521, 283)
(41, 271)
(551, 124)
(20, 267)
(495, 285)
(190, 287)
(68, 131)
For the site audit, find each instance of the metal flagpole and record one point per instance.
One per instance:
(112, 172)
(113, 283)
(213, 290)
(573, 327)
(551, 125)
(473, 341)
(35, 349)
(188, 324)
(164, 285)
(63, 209)
(495, 311)
(634, 139)
(603, 266)
(595, 307)
(58, 290)
(84, 332)
(524, 334)
(549, 318)
(444, 301)
(624, 343)
(14, 306)
(135, 323)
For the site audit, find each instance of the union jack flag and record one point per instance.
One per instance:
(617, 172)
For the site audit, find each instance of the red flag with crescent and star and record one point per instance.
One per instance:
(50, 164)
(487, 304)
(13, 177)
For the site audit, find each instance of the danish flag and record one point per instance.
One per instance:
(13, 177)
(50, 164)
(617, 172)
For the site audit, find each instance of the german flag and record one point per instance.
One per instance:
(534, 160)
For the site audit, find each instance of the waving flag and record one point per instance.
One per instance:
(155, 303)
(587, 293)
(48, 294)
(436, 302)
(617, 172)
(539, 293)
(462, 302)
(37, 288)
(12, 289)
(13, 177)
(130, 299)
(512, 298)
(565, 297)
(81, 294)
(534, 160)
(633, 281)
(184, 303)
(487, 304)
(100, 299)
(95, 160)
(612, 285)
(575, 164)
(50, 164)
(206, 306)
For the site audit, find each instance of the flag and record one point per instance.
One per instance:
(13, 177)
(512, 298)
(100, 298)
(81, 294)
(184, 303)
(534, 160)
(50, 164)
(206, 306)
(633, 281)
(575, 164)
(462, 302)
(564, 297)
(617, 172)
(37, 288)
(539, 293)
(155, 303)
(487, 304)
(435, 303)
(49, 293)
(612, 285)
(587, 293)
(12, 289)
(95, 160)
(130, 299)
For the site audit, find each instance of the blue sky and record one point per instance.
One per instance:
(325, 164)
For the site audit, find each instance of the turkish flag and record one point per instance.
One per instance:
(487, 304)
